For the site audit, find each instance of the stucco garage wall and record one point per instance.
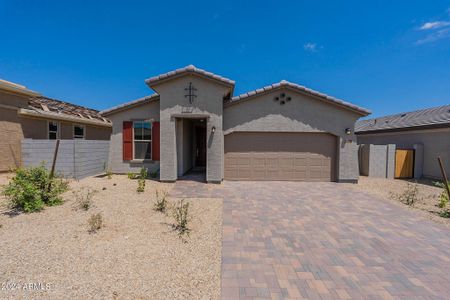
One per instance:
(435, 143)
(147, 111)
(302, 114)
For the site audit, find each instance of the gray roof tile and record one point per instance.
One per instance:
(130, 104)
(435, 116)
(284, 83)
(188, 69)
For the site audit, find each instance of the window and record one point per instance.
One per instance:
(142, 134)
(78, 132)
(53, 128)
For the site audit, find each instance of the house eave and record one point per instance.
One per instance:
(17, 89)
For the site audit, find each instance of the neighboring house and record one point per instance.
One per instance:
(426, 133)
(25, 114)
(280, 132)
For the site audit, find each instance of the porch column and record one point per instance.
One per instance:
(168, 153)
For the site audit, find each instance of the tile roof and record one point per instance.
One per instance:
(188, 69)
(136, 102)
(303, 89)
(436, 116)
(45, 104)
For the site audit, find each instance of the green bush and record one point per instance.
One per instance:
(153, 174)
(31, 189)
(443, 198)
(141, 180)
(132, 175)
(141, 185)
(143, 173)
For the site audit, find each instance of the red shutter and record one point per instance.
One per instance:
(127, 137)
(155, 141)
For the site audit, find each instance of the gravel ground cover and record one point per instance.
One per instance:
(136, 255)
(388, 189)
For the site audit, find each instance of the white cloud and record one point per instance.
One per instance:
(311, 47)
(435, 36)
(434, 25)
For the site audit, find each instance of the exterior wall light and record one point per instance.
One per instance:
(213, 129)
(348, 131)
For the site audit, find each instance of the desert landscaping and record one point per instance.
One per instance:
(427, 195)
(135, 252)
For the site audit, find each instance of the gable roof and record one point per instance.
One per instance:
(424, 118)
(191, 69)
(301, 89)
(56, 109)
(129, 104)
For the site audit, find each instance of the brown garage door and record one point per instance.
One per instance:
(280, 156)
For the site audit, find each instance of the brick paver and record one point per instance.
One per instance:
(288, 240)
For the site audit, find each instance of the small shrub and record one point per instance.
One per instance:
(32, 188)
(83, 198)
(182, 217)
(409, 195)
(443, 197)
(132, 175)
(141, 185)
(161, 201)
(153, 174)
(95, 223)
(444, 214)
(141, 180)
(143, 173)
(109, 174)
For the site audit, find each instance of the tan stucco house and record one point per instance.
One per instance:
(280, 132)
(25, 114)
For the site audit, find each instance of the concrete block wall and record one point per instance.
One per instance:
(377, 160)
(76, 158)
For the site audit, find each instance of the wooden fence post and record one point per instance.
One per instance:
(55, 155)
(444, 175)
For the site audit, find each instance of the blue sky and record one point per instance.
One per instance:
(388, 56)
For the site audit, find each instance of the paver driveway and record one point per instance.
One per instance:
(324, 241)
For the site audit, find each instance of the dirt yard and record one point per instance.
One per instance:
(135, 255)
(389, 189)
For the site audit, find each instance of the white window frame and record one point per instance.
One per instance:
(84, 132)
(143, 141)
(58, 130)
